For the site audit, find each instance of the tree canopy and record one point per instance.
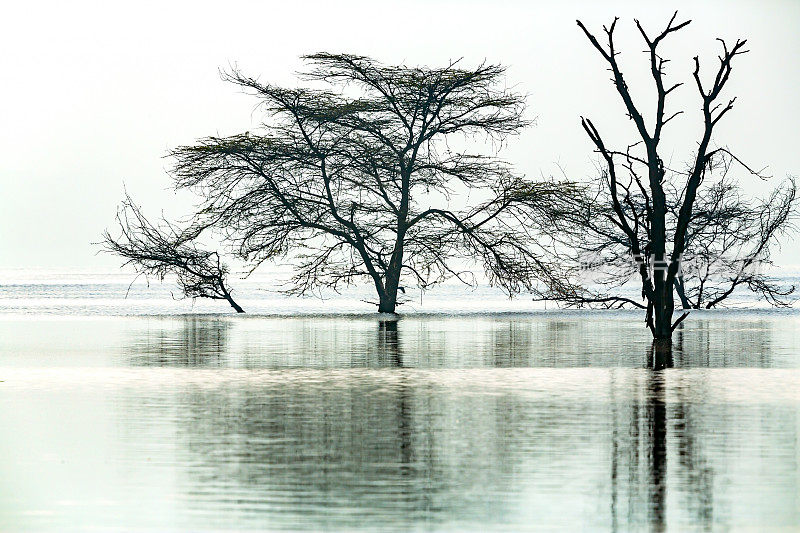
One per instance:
(358, 176)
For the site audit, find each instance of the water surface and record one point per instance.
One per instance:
(504, 422)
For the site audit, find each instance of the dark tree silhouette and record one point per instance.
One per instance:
(360, 177)
(163, 249)
(654, 217)
(729, 244)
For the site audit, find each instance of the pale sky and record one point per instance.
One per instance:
(94, 94)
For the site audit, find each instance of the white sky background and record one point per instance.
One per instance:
(94, 94)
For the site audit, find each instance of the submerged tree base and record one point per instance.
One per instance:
(659, 356)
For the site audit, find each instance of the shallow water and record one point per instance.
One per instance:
(80, 293)
(510, 422)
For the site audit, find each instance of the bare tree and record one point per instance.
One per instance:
(729, 245)
(164, 249)
(657, 215)
(358, 177)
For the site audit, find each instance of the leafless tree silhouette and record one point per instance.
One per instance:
(162, 249)
(359, 177)
(729, 244)
(652, 217)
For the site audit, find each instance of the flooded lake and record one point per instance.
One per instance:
(551, 420)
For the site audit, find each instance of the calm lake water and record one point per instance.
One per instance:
(506, 422)
(121, 414)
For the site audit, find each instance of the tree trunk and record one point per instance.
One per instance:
(227, 295)
(387, 303)
(388, 298)
(663, 306)
(663, 303)
(234, 304)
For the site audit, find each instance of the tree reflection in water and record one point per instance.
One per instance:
(182, 341)
(429, 423)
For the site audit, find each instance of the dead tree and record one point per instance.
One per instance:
(648, 212)
(729, 245)
(164, 249)
(359, 177)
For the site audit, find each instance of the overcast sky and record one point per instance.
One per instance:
(94, 94)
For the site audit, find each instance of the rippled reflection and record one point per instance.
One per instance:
(516, 423)
(183, 341)
(517, 341)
